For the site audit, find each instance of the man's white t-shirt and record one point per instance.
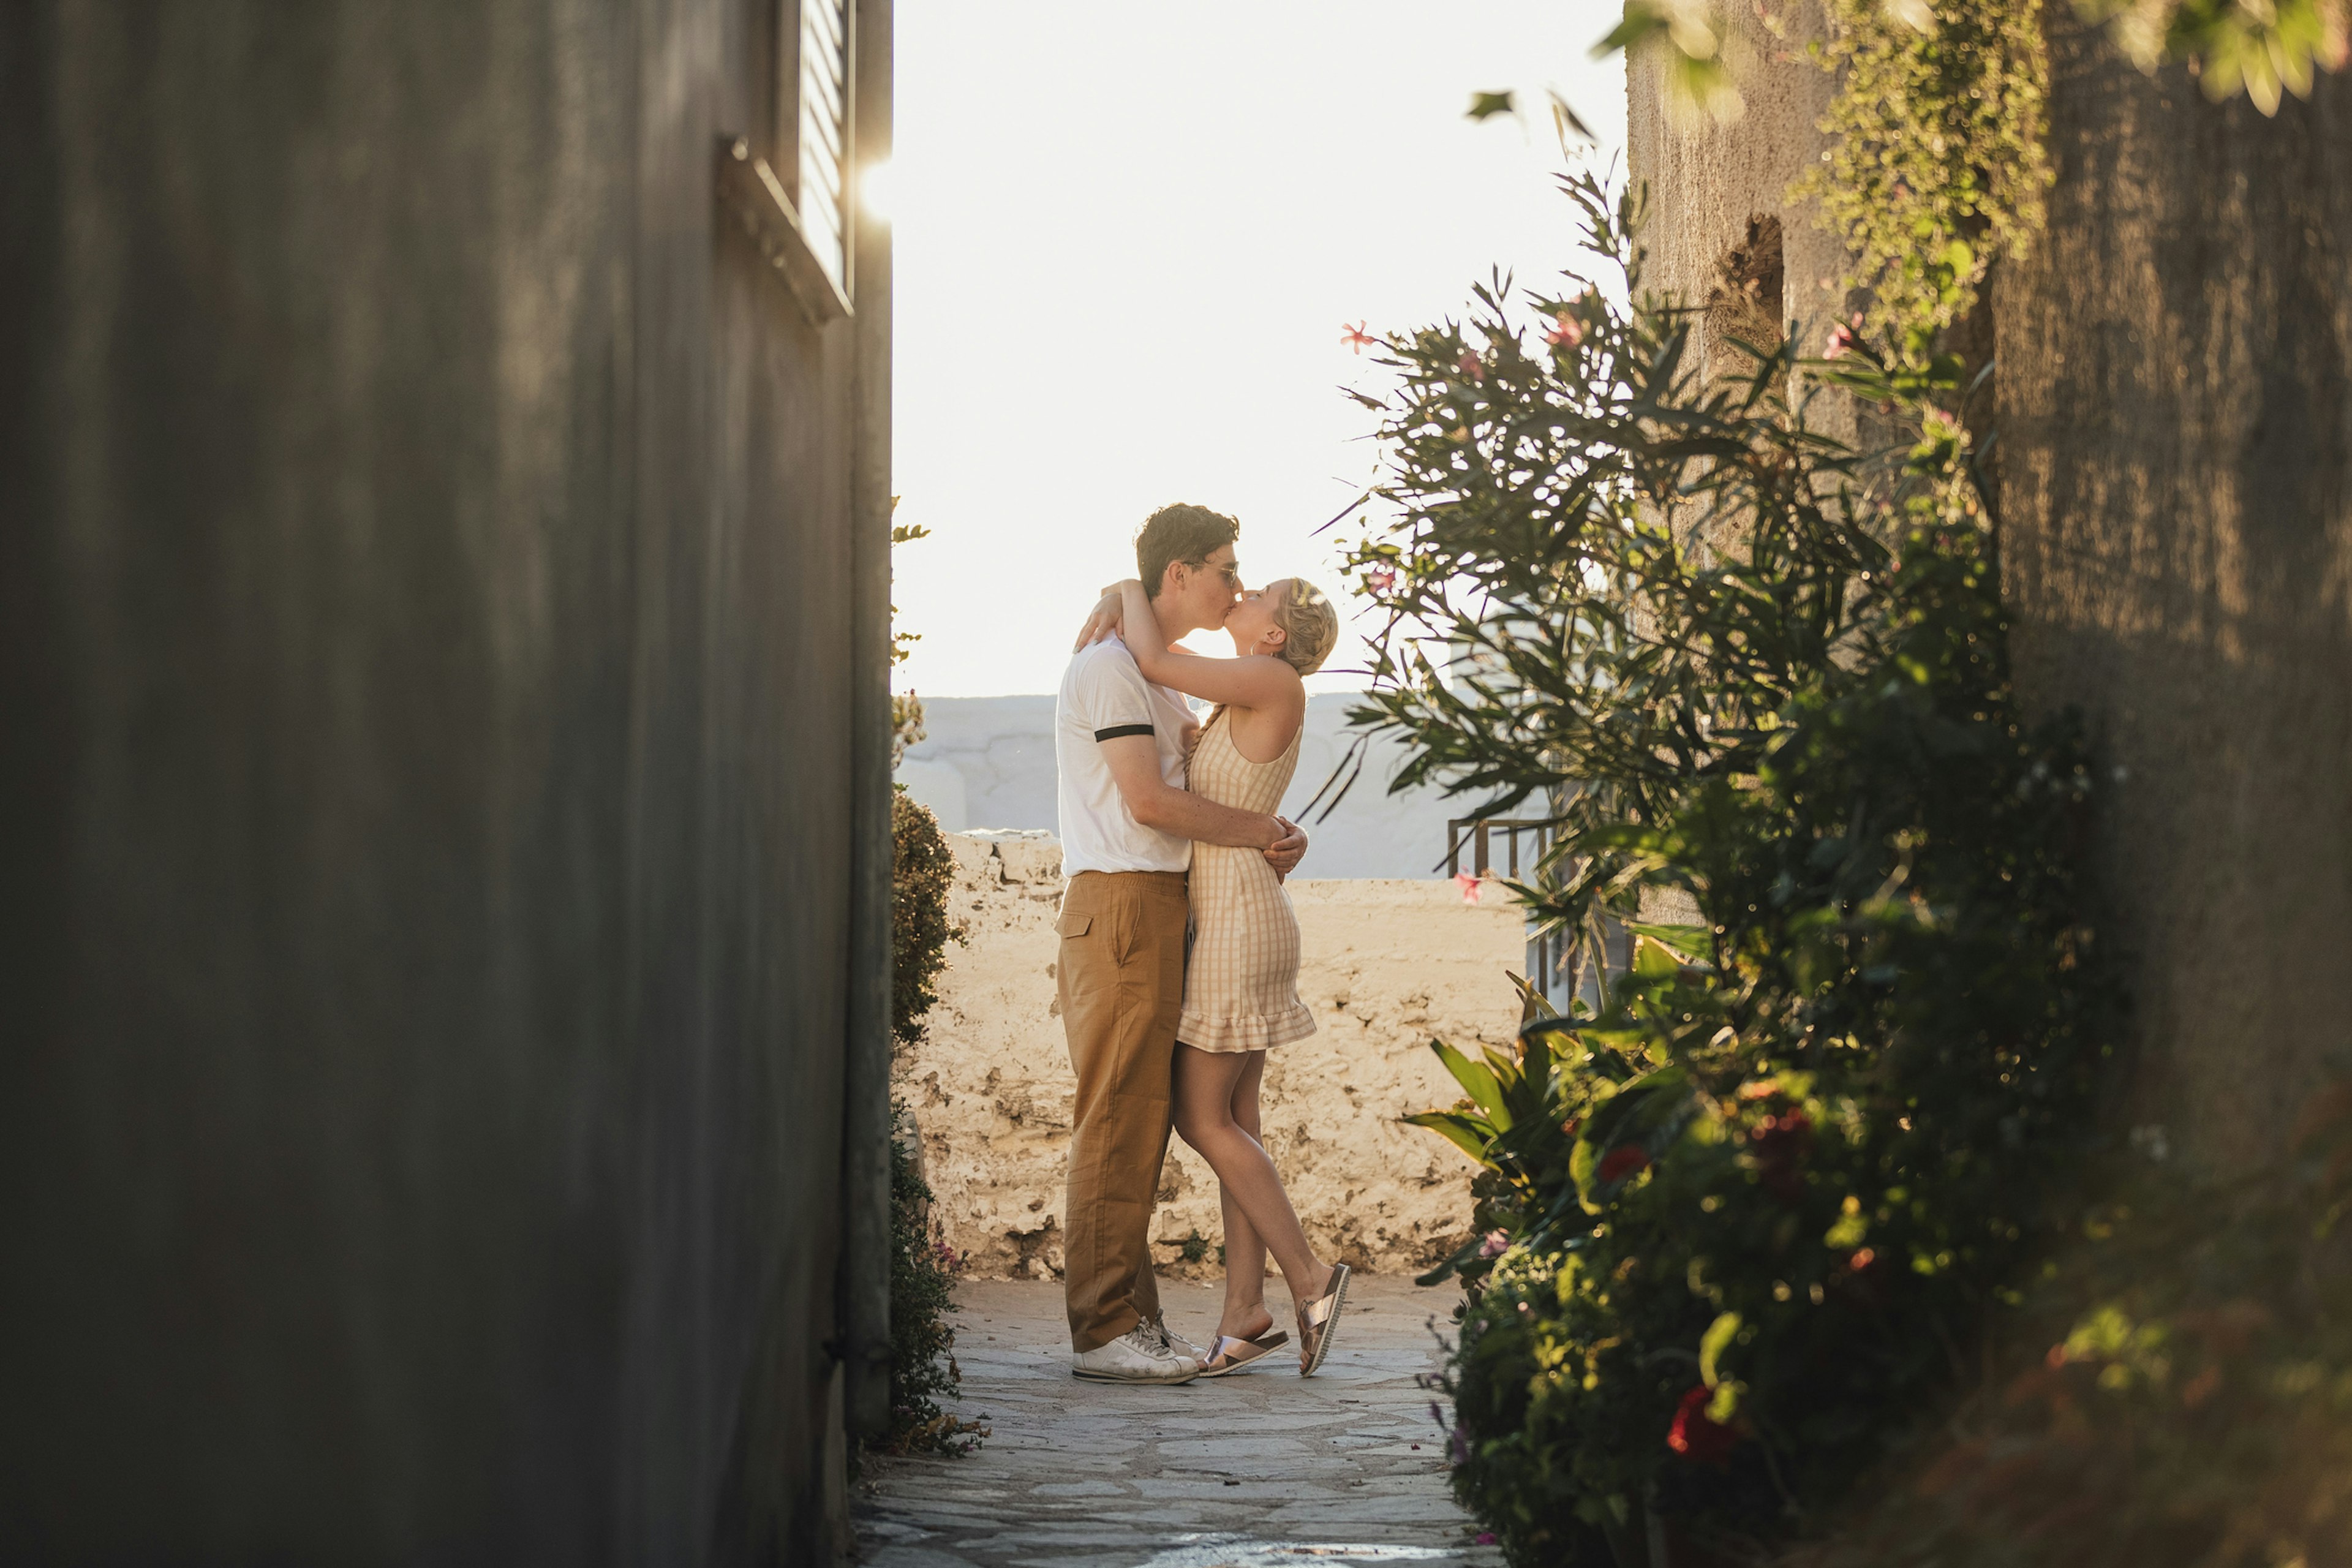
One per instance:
(1104, 695)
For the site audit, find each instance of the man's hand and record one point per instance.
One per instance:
(1285, 853)
(1103, 620)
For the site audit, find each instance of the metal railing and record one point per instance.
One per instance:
(1477, 833)
(1547, 961)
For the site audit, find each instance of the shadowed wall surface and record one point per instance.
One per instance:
(2176, 387)
(427, 611)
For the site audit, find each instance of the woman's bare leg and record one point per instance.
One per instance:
(1205, 1086)
(1245, 1315)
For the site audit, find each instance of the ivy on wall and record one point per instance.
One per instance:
(1936, 162)
(1938, 159)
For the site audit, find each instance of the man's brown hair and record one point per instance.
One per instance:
(1179, 533)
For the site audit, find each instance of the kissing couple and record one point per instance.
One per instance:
(1179, 963)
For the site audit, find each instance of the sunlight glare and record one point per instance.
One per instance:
(877, 190)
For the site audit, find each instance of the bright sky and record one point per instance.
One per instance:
(1128, 238)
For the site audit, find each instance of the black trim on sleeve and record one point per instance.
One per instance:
(1116, 730)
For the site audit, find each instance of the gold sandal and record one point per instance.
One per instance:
(1319, 1317)
(1228, 1354)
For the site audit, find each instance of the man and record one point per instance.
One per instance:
(1128, 829)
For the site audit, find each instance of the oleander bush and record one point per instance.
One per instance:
(1744, 1222)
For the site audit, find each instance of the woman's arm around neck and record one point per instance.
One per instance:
(1257, 681)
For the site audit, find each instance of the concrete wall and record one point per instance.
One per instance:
(426, 590)
(988, 762)
(1386, 966)
(2176, 391)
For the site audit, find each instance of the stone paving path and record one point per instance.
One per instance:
(1259, 1469)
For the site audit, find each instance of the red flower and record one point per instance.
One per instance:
(1566, 332)
(1471, 365)
(1356, 338)
(1380, 579)
(1697, 1435)
(1623, 1160)
(1468, 882)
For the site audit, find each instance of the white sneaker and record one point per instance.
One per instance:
(1138, 1355)
(1178, 1342)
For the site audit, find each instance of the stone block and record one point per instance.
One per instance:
(975, 860)
(1035, 861)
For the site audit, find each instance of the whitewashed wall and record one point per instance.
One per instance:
(989, 762)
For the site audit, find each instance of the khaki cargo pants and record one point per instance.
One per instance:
(1121, 973)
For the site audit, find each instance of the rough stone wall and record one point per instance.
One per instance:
(1386, 966)
(425, 603)
(1708, 183)
(2176, 403)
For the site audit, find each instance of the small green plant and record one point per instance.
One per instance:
(922, 868)
(905, 707)
(922, 1266)
(923, 1271)
(1194, 1248)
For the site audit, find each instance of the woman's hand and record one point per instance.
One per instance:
(1285, 853)
(1103, 620)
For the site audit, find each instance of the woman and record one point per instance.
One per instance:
(1241, 979)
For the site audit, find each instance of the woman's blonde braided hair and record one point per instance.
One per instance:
(1311, 624)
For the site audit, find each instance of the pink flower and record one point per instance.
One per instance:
(1471, 365)
(1356, 338)
(1495, 1244)
(1566, 332)
(1380, 579)
(1485, 1538)
(1844, 336)
(1468, 882)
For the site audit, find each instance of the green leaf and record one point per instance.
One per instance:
(1653, 960)
(1485, 105)
(1713, 1343)
(1695, 943)
(1477, 1080)
(1583, 1162)
(1472, 1136)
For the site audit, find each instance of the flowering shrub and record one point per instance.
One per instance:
(1758, 1204)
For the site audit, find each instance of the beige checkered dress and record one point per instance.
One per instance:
(1241, 985)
